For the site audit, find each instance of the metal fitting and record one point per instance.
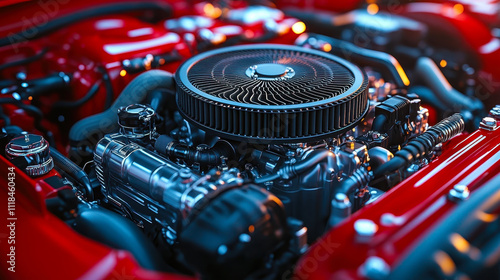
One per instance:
(365, 230)
(488, 123)
(375, 268)
(458, 193)
(341, 209)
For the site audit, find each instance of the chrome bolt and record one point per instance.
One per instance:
(365, 229)
(495, 112)
(488, 123)
(413, 168)
(388, 219)
(341, 201)
(458, 193)
(375, 268)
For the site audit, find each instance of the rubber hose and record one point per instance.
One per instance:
(135, 92)
(290, 171)
(430, 73)
(61, 105)
(427, 96)
(117, 232)
(74, 171)
(24, 61)
(101, 10)
(211, 156)
(359, 179)
(388, 64)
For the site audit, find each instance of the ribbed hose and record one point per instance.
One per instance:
(107, 121)
(423, 144)
(72, 170)
(359, 179)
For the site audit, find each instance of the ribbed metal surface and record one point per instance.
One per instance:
(317, 78)
(326, 95)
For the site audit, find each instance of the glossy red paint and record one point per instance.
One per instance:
(87, 50)
(466, 23)
(325, 5)
(406, 212)
(83, 47)
(46, 247)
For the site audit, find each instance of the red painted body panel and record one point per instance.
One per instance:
(419, 203)
(46, 247)
(83, 48)
(473, 31)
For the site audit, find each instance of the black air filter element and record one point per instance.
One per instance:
(271, 93)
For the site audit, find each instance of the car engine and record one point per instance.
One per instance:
(251, 139)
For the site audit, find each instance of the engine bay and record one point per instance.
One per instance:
(251, 139)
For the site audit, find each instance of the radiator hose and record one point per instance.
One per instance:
(87, 132)
(115, 231)
(74, 171)
(432, 76)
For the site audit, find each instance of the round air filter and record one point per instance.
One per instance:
(271, 93)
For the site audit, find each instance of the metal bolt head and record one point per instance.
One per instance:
(341, 201)
(495, 112)
(488, 123)
(458, 193)
(388, 219)
(375, 268)
(365, 228)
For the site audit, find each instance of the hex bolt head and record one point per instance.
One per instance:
(341, 201)
(488, 123)
(365, 229)
(495, 112)
(375, 268)
(458, 193)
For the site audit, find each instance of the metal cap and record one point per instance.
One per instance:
(31, 153)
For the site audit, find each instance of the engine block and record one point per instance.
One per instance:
(250, 139)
